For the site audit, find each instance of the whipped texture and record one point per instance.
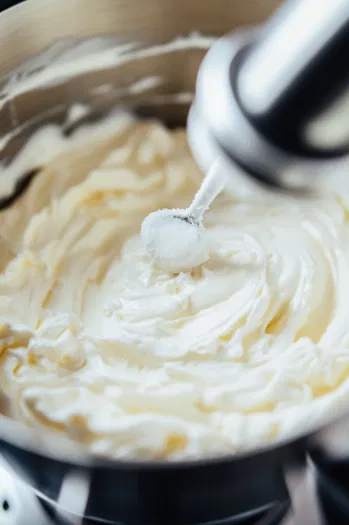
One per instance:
(98, 343)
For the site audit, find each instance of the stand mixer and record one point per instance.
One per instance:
(274, 101)
(271, 102)
(145, 488)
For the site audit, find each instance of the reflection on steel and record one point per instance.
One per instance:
(73, 497)
(333, 441)
(305, 509)
(18, 503)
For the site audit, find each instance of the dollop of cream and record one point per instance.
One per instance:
(99, 343)
(174, 240)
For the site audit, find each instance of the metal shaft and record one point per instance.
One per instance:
(294, 83)
(274, 101)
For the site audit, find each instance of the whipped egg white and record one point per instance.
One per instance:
(99, 343)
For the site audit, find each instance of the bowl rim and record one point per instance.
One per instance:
(61, 448)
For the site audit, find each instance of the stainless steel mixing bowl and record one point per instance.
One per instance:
(38, 42)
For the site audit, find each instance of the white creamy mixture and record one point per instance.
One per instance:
(130, 360)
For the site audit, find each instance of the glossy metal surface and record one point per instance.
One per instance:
(129, 492)
(274, 101)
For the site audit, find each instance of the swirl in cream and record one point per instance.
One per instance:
(99, 343)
